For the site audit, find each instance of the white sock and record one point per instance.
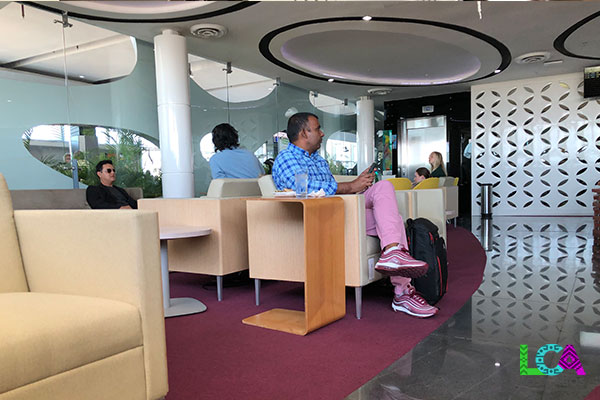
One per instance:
(396, 247)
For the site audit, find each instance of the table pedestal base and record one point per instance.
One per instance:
(184, 306)
(280, 319)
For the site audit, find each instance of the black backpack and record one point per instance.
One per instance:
(425, 244)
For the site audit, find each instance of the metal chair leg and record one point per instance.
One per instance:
(358, 298)
(219, 288)
(257, 291)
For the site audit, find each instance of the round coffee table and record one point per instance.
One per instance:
(182, 305)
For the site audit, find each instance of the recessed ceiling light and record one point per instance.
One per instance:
(330, 80)
(9, 101)
(82, 76)
(367, 18)
(497, 71)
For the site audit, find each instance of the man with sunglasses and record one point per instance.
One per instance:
(106, 195)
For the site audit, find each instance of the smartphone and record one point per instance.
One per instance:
(373, 167)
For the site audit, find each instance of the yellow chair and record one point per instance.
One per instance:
(455, 181)
(401, 183)
(429, 183)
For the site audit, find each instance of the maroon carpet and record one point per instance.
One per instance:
(214, 356)
(594, 395)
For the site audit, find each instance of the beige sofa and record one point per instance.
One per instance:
(57, 199)
(81, 313)
(363, 251)
(225, 250)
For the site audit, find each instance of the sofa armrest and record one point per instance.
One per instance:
(451, 196)
(101, 253)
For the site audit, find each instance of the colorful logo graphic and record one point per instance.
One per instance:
(568, 360)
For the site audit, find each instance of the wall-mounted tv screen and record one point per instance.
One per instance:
(591, 82)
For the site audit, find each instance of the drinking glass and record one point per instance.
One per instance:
(301, 187)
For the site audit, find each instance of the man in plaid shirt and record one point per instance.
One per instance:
(382, 217)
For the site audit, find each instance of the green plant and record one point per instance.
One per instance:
(125, 151)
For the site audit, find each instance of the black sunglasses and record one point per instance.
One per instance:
(109, 170)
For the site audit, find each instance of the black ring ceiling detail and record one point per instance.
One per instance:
(236, 7)
(559, 42)
(266, 40)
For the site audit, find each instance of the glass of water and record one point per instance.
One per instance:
(301, 187)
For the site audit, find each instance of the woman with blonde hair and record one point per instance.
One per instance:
(438, 170)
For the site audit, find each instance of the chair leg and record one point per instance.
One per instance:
(257, 291)
(219, 288)
(358, 298)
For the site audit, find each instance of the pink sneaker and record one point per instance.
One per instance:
(413, 304)
(394, 262)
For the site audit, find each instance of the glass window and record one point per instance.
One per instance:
(64, 147)
(207, 148)
(331, 104)
(235, 87)
(342, 153)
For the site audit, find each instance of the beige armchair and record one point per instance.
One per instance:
(80, 304)
(225, 250)
(363, 251)
(450, 197)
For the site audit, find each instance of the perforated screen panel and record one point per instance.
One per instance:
(538, 143)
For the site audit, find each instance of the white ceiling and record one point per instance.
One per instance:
(407, 43)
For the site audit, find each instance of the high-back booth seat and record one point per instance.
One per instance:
(228, 187)
(363, 251)
(81, 314)
(58, 199)
(225, 250)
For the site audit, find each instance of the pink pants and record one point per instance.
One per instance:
(385, 222)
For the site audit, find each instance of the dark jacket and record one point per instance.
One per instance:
(438, 173)
(100, 197)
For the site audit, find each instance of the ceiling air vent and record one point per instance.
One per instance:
(208, 31)
(381, 91)
(530, 58)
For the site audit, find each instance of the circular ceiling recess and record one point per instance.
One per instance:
(136, 7)
(581, 39)
(385, 51)
(142, 11)
(399, 59)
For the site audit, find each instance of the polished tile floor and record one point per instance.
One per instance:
(540, 287)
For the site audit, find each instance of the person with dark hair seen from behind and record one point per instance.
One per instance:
(381, 210)
(438, 169)
(420, 175)
(106, 195)
(230, 161)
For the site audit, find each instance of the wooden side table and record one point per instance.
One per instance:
(182, 305)
(299, 240)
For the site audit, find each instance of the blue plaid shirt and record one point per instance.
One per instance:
(294, 158)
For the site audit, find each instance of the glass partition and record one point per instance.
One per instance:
(97, 79)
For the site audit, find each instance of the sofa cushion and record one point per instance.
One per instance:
(11, 267)
(45, 334)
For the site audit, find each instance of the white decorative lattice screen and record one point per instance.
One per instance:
(538, 142)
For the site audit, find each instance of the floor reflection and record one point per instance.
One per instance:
(541, 286)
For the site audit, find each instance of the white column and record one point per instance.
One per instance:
(365, 132)
(174, 114)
